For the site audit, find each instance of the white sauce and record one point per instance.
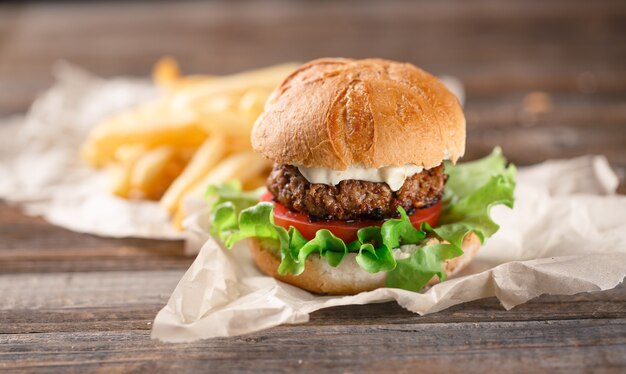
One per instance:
(394, 176)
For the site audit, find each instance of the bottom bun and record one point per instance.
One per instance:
(348, 278)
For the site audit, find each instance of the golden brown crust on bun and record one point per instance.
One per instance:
(347, 278)
(336, 113)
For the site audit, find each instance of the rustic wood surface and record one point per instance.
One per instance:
(543, 80)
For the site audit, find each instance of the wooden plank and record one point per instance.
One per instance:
(93, 289)
(139, 314)
(87, 319)
(114, 259)
(492, 46)
(126, 289)
(31, 245)
(557, 109)
(17, 229)
(129, 300)
(542, 345)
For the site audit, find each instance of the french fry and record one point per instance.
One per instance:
(129, 153)
(155, 170)
(178, 217)
(242, 166)
(255, 182)
(120, 173)
(119, 180)
(253, 101)
(189, 81)
(177, 129)
(265, 78)
(248, 167)
(239, 144)
(232, 114)
(223, 122)
(166, 72)
(205, 158)
(196, 134)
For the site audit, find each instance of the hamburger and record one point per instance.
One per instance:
(365, 191)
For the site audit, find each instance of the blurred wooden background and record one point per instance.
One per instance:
(568, 55)
(543, 80)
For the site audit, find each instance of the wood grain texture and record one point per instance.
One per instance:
(543, 80)
(493, 46)
(135, 308)
(450, 347)
(30, 245)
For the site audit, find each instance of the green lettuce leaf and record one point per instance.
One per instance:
(397, 232)
(426, 262)
(374, 254)
(231, 192)
(471, 190)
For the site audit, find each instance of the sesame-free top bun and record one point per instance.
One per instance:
(348, 278)
(337, 112)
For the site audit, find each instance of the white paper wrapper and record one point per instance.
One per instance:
(40, 169)
(567, 234)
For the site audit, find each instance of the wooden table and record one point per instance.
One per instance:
(543, 79)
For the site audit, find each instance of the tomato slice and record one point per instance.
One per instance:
(345, 230)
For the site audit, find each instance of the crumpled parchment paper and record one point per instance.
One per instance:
(40, 169)
(566, 234)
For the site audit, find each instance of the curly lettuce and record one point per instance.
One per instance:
(471, 190)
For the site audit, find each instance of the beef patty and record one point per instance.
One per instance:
(354, 199)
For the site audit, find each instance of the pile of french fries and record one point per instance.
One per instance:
(196, 134)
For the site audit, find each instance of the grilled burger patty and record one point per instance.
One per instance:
(354, 199)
